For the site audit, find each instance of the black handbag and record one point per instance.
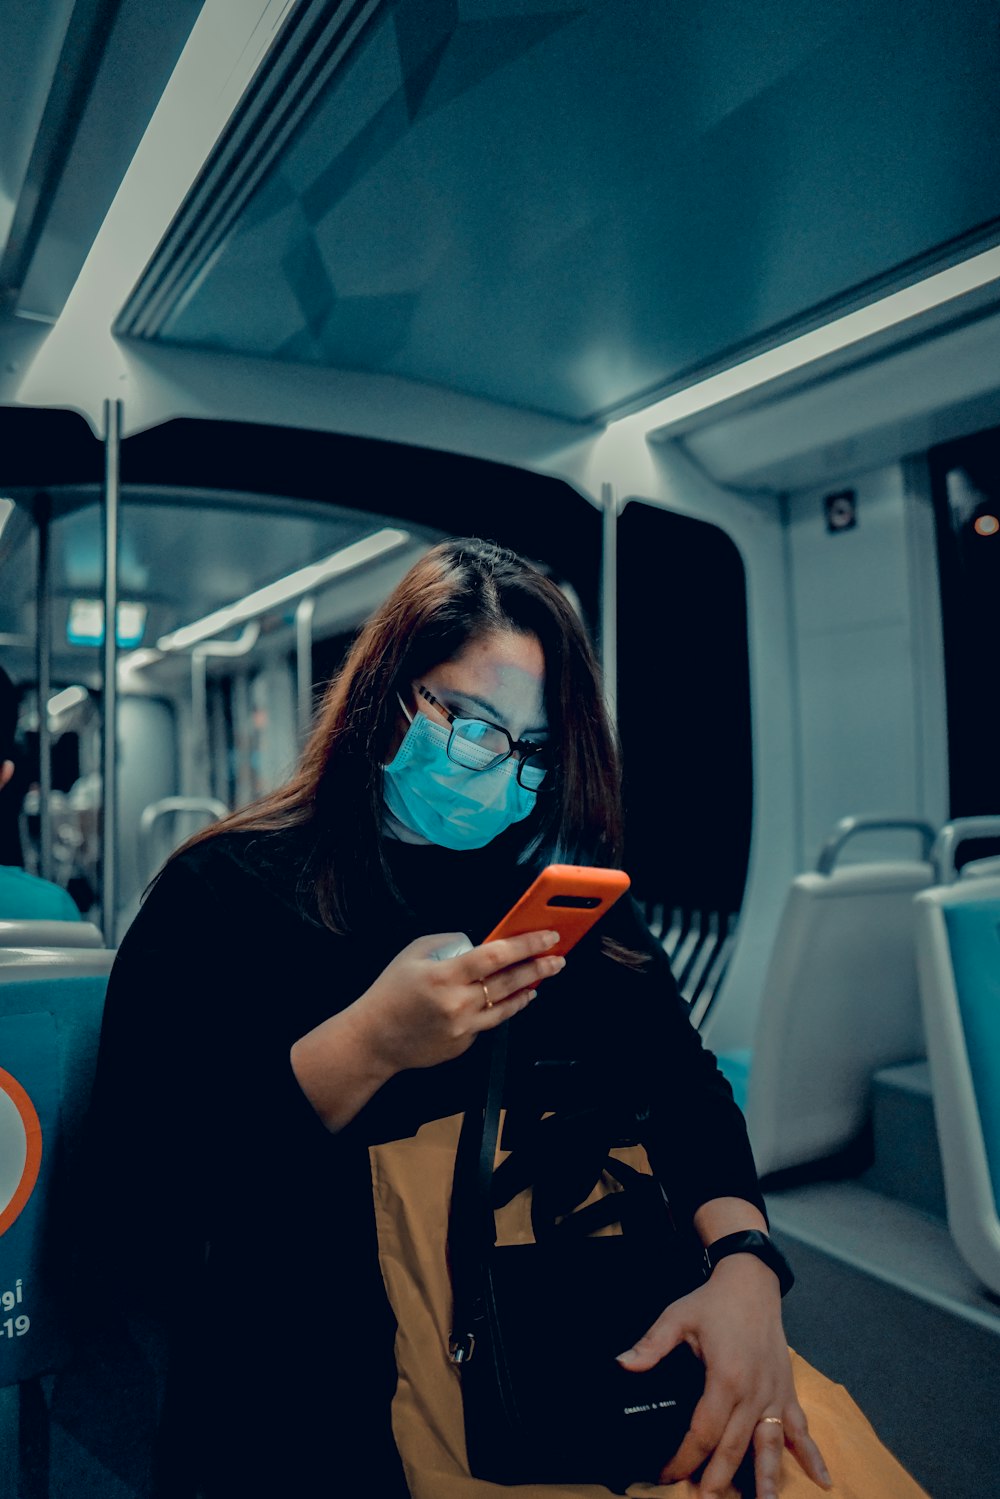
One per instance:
(537, 1327)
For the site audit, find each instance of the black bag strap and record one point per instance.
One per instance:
(472, 1229)
(478, 1189)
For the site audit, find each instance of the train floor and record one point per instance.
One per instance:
(884, 1306)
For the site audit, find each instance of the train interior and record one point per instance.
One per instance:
(700, 311)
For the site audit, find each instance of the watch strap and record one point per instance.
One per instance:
(752, 1241)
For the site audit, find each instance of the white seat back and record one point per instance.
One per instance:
(958, 955)
(840, 1001)
(50, 934)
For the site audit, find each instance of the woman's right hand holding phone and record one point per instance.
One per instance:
(421, 1010)
(424, 1010)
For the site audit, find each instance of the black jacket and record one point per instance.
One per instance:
(230, 1216)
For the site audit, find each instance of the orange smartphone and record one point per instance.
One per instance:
(565, 898)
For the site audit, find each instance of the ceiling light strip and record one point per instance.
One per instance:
(799, 353)
(314, 42)
(292, 586)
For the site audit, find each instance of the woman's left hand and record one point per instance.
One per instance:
(733, 1324)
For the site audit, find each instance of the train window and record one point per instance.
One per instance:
(684, 719)
(966, 487)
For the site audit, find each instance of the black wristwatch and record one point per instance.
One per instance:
(752, 1241)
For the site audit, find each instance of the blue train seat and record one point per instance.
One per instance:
(839, 1002)
(50, 934)
(51, 1003)
(958, 955)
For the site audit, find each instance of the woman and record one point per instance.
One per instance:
(280, 1004)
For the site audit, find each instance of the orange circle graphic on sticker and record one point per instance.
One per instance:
(33, 1154)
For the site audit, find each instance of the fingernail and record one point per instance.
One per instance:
(826, 1478)
(531, 993)
(559, 962)
(551, 938)
(628, 1357)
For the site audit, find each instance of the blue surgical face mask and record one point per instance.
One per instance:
(444, 802)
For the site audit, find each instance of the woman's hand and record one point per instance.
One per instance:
(423, 1010)
(733, 1324)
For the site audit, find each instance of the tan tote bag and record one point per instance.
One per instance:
(412, 1189)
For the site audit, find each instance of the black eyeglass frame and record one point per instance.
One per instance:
(524, 748)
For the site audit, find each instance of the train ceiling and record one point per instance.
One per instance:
(571, 208)
(79, 83)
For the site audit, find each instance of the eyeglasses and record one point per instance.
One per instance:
(476, 744)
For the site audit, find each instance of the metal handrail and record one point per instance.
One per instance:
(952, 835)
(848, 826)
(170, 806)
(201, 654)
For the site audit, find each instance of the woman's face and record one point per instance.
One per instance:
(499, 677)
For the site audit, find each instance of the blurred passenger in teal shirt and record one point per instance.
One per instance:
(24, 897)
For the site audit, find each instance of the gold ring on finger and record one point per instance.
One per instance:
(774, 1420)
(486, 995)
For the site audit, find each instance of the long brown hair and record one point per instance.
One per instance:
(457, 591)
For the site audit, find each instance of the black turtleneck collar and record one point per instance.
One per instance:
(447, 890)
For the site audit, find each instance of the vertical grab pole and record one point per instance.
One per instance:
(201, 758)
(244, 789)
(43, 673)
(303, 664)
(609, 597)
(109, 673)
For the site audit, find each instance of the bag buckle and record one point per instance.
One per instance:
(460, 1348)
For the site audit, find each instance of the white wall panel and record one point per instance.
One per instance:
(869, 668)
(857, 714)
